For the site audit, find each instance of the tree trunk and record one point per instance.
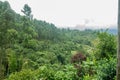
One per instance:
(118, 52)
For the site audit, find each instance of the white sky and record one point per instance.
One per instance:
(71, 12)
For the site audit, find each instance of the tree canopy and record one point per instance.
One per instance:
(32, 49)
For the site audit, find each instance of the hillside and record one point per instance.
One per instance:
(32, 49)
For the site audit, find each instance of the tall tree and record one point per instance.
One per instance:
(27, 11)
(118, 54)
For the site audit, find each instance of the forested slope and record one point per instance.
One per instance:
(32, 49)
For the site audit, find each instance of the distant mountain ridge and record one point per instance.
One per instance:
(111, 29)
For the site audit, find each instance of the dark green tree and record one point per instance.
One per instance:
(27, 11)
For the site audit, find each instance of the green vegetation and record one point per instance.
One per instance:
(32, 49)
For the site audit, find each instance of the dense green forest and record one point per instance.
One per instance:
(32, 49)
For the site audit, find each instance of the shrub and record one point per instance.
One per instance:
(106, 69)
(22, 75)
(79, 57)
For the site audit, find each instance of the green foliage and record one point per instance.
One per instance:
(26, 74)
(12, 60)
(45, 73)
(98, 70)
(89, 67)
(106, 69)
(106, 46)
(6, 21)
(33, 44)
(68, 73)
(34, 49)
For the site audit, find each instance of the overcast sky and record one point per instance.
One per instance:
(71, 12)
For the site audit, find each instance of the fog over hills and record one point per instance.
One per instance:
(111, 28)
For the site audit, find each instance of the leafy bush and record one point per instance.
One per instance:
(26, 74)
(106, 69)
(68, 73)
(106, 46)
(45, 73)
